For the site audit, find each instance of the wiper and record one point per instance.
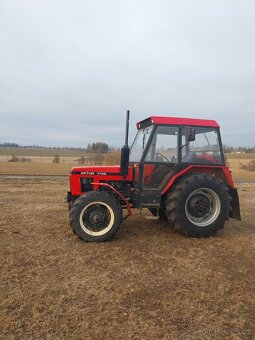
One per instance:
(206, 139)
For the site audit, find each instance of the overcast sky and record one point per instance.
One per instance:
(69, 69)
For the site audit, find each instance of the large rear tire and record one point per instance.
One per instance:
(95, 216)
(198, 205)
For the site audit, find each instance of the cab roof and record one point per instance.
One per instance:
(160, 120)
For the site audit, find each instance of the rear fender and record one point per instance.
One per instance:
(220, 171)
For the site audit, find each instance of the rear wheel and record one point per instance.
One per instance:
(198, 205)
(95, 216)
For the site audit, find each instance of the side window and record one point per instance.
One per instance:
(204, 149)
(164, 146)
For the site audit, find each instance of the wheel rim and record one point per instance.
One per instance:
(97, 218)
(202, 207)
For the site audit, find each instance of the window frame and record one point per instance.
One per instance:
(149, 143)
(179, 144)
(146, 150)
(221, 151)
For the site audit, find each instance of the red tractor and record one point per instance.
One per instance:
(175, 168)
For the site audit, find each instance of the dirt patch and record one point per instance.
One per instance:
(148, 283)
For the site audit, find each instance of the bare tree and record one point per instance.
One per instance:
(56, 159)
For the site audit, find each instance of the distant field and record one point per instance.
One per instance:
(41, 164)
(27, 152)
(18, 168)
(49, 168)
(46, 159)
(235, 161)
(240, 155)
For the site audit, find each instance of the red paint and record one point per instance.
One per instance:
(228, 175)
(207, 157)
(220, 170)
(148, 170)
(98, 168)
(181, 121)
(98, 174)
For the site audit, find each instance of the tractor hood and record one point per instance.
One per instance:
(104, 172)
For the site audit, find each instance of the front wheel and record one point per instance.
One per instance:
(198, 205)
(95, 216)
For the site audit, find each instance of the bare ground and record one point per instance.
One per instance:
(148, 283)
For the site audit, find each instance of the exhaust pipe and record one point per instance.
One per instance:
(127, 128)
(124, 162)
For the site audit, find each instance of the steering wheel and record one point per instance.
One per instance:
(162, 156)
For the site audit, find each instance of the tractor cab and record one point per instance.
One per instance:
(165, 146)
(175, 168)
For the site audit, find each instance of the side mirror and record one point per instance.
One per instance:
(190, 134)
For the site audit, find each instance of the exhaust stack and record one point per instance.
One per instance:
(125, 150)
(127, 128)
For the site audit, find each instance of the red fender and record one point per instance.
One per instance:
(221, 171)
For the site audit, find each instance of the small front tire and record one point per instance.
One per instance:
(95, 216)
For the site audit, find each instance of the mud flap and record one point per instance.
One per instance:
(235, 212)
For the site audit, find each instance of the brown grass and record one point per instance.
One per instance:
(249, 167)
(112, 158)
(7, 168)
(148, 283)
(240, 155)
(239, 173)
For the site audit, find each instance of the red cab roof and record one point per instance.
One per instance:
(177, 121)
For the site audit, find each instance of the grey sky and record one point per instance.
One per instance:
(70, 69)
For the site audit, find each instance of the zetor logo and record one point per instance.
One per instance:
(94, 173)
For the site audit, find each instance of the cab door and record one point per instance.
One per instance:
(159, 164)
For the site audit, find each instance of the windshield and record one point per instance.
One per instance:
(139, 144)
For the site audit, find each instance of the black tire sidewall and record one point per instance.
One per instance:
(82, 202)
(183, 222)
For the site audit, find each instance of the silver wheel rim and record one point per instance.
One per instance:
(88, 230)
(213, 200)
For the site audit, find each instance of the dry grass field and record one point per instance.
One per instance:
(149, 282)
(45, 166)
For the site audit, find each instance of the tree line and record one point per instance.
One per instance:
(98, 147)
(101, 147)
(230, 149)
